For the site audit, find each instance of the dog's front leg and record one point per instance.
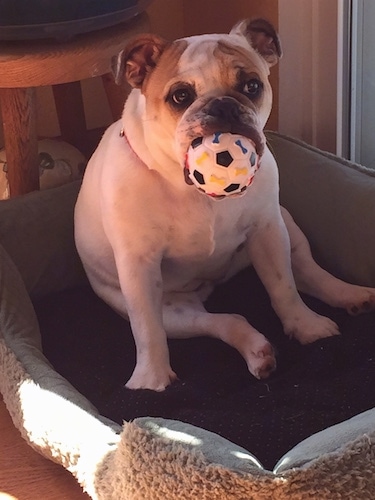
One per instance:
(141, 287)
(270, 253)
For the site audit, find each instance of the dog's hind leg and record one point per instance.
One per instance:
(310, 278)
(184, 316)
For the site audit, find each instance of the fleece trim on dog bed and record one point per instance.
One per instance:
(154, 458)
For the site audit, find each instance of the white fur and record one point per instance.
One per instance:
(154, 247)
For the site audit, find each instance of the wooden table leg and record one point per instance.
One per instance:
(70, 112)
(20, 137)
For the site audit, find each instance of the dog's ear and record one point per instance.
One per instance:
(137, 59)
(262, 37)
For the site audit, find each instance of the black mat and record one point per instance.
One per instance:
(314, 386)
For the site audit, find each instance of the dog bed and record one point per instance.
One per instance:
(217, 433)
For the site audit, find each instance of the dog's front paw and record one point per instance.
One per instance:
(309, 327)
(153, 378)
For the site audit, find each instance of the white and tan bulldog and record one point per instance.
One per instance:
(154, 247)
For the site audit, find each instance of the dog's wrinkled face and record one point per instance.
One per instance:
(226, 91)
(196, 86)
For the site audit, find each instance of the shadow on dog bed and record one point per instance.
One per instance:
(73, 413)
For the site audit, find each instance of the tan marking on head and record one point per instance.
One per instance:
(240, 57)
(237, 62)
(159, 120)
(165, 70)
(156, 86)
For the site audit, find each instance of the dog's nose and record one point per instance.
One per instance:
(226, 114)
(225, 109)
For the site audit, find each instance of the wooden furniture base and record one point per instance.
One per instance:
(26, 65)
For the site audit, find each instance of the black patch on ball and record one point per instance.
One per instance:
(199, 177)
(197, 142)
(231, 188)
(224, 158)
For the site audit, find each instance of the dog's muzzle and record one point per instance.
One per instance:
(226, 114)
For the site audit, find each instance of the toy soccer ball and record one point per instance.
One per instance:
(222, 164)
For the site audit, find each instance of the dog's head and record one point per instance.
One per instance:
(199, 85)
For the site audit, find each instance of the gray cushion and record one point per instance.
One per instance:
(333, 201)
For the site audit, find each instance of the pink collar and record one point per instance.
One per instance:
(122, 134)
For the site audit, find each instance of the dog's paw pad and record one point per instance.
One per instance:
(262, 363)
(364, 306)
(354, 310)
(266, 370)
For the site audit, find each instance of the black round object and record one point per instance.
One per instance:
(33, 19)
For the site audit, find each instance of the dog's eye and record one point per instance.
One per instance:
(182, 97)
(253, 88)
